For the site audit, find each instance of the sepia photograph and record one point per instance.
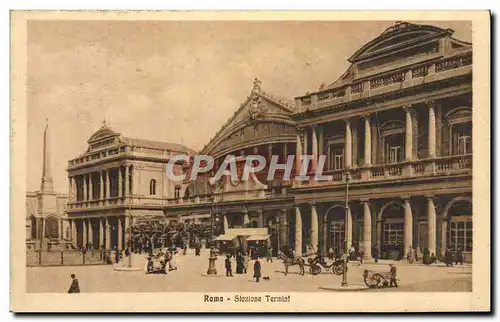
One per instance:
(250, 162)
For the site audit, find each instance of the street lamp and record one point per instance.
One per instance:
(346, 228)
(211, 260)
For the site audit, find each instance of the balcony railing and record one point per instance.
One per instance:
(382, 83)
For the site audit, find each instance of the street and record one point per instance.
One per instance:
(189, 278)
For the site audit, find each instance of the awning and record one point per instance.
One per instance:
(225, 237)
(258, 237)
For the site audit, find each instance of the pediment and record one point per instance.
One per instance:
(400, 35)
(259, 107)
(104, 133)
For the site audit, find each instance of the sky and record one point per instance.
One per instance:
(172, 81)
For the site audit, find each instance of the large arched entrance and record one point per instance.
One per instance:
(457, 222)
(51, 228)
(391, 230)
(334, 224)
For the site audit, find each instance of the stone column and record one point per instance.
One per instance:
(91, 233)
(120, 191)
(431, 225)
(285, 152)
(314, 227)
(107, 237)
(261, 218)
(432, 130)
(84, 187)
(246, 219)
(368, 141)
(314, 143)
(298, 232)
(367, 230)
(108, 192)
(298, 154)
(408, 227)
(120, 233)
(101, 185)
(101, 233)
(70, 189)
(225, 222)
(74, 188)
(305, 142)
(84, 232)
(269, 153)
(349, 227)
(444, 235)
(408, 134)
(91, 192)
(282, 228)
(320, 140)
(127, 181)
(73, 233)
(348, 145)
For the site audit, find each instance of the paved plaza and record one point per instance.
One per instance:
(189, 278)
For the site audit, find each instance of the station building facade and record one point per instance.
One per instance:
(118, 181)
(397, 125)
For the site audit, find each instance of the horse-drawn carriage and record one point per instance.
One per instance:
(316, 263)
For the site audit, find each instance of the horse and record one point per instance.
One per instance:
(291, 261)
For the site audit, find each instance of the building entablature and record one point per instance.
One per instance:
(389, 187)
(394, 99)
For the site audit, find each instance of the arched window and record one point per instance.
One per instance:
(152, 187)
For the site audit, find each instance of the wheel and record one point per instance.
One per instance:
(372, 281)
(315, 270)
(377, 279)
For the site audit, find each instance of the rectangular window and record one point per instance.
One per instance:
(336, 158)
(460, 235)
(393, 233)
(464, 144)
(337, 235)
(394, 154)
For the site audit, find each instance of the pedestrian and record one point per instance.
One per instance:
(448, 258)
(239, 263)
(392, 276)
(459, 256)
(375, 253)
(229, 271)
(270, 255)
(257, 270)
(75, 286)
(432, 259)
(331, 254)
(246, 259)
(197, 249)
(411, 255)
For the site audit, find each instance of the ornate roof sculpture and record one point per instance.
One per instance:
(259, 107)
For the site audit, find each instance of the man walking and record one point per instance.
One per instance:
(270, 255)
(392, 275)
(75, 286)
(229, 271)
(257, 270)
